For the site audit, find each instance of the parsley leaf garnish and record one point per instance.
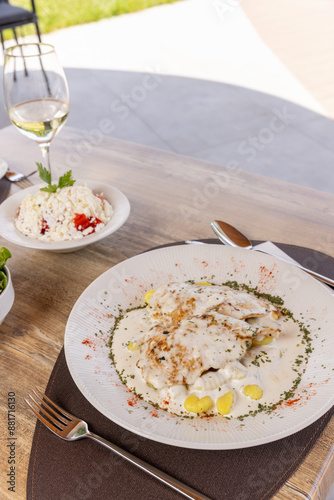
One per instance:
(64, 180)
(44, 173)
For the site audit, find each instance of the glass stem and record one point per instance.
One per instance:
(45, 148)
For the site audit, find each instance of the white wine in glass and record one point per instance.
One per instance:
(36, 93)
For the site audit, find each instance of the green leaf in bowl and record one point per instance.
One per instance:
(3, 280)
(4, 255)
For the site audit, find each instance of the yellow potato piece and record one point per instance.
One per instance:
(133, 346)
(196, 405)
(148, 296)
(265, 341)
(203, 283)
(224, 403)
(190, 402)
(253, 391)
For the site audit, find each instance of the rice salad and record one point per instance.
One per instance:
(70, 213)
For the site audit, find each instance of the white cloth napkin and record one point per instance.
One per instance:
(269, 247)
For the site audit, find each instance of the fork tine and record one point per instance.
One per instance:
(42, 419)
(24, 183)
(49, 409)
(46, 414)
(62, 412)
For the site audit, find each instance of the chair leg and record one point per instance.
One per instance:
(15, 35)
(24, 62)
(38, 32)
(2, 42)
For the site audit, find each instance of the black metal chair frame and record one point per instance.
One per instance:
(14, 25)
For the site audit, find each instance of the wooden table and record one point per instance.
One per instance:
(173, 198)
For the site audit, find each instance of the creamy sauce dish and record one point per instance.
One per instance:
(204, 349)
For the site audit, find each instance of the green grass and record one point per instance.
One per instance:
(57, 14)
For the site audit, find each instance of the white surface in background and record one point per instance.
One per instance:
(205, 39)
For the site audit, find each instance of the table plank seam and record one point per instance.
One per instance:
(323, 469)
(293, 487)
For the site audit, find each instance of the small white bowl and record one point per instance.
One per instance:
(8, 211)
(6, 297)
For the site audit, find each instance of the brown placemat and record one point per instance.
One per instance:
(4, 189)
(81, 470)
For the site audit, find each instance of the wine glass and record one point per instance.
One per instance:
(36, 93)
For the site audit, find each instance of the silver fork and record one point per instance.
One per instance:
(71, 428)
(24, 183)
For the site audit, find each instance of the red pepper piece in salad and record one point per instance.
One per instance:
(45, 226)
(82, 222)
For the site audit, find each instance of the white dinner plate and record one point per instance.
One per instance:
(3, 168)
(124, 286)
(8, 211)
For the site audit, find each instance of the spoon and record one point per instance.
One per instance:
(17, 176)
(229, 235)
